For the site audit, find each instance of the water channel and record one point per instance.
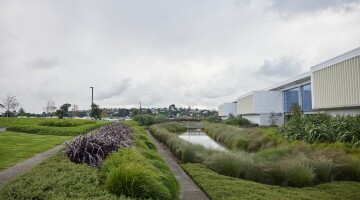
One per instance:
(200, 137)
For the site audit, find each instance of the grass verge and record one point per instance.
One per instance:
(17, 147)
(44, 126)
(57, 178)
(217, 186)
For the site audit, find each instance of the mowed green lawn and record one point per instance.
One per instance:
(16, 147)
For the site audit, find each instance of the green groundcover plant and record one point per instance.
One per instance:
(218, 186)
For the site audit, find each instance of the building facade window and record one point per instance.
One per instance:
(291, 97)
(306, 97)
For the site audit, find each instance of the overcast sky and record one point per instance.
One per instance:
(197, 53)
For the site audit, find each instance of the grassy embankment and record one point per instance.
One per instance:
(137, 172)
(264, 157)
(16, 147)
(45, 134)
(43, 126)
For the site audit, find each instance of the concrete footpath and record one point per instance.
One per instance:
(28, 164)
(189, 190)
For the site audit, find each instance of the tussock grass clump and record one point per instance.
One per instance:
(228, 164)
(301, 175)
(241, 138)
(323, 169)
(235, 164)
(128, 173)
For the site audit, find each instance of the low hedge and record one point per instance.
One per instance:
(51, 130)
(65, 122)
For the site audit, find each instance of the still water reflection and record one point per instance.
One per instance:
(201, 138)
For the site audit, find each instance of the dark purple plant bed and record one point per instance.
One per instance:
(92, 148)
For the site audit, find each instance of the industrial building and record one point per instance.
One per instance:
(226, 109)
(332, 86)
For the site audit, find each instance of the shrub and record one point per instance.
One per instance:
(147, 120)
(93, 148)
(160, 119)
(322, 127)
(214, 119)
(232, 120)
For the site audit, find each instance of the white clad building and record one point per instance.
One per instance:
(226, 109)
(332, 86)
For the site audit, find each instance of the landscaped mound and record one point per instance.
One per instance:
(92, 148)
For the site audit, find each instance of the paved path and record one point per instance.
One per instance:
(189, 190)
(28, 164)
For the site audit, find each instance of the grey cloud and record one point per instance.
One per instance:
(175, 51)
(115, 89)
(284, 67)
(43, 63)
(293, 7)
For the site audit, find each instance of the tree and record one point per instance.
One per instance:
(172, 110)
(95, 111)
(10, 104)
(63, 111)
(21, 112)
(81, 114)
(104, 113)
(50, 107)
(74, 110)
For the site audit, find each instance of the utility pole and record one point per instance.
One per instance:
(140, 108)
(92, 95)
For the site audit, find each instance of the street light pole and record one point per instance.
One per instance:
(92, 95)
